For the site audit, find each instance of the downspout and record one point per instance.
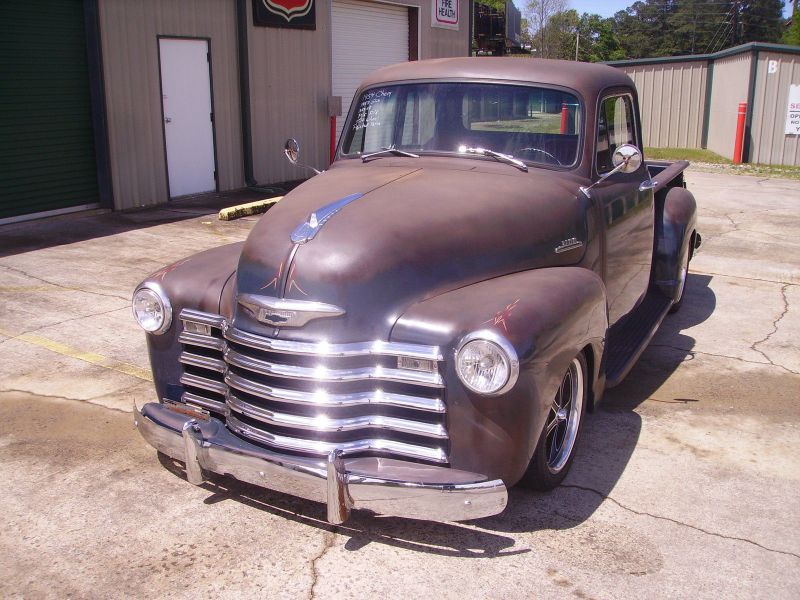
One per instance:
(244, 91)
(707, 104)
(97, 92)
(747, 153)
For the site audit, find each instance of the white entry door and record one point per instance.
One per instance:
(188, 119)
(366, 36)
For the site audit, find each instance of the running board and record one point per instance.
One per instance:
(627, 340)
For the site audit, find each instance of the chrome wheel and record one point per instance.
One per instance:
(564, 418)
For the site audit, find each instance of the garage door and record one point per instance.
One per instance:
(366, 36)
(47, 158)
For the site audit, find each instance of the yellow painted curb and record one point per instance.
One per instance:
(245, 210)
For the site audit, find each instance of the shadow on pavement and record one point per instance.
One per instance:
(607, 443)
(26, 236)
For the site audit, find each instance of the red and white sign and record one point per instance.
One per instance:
(445, 13)
(793, 111)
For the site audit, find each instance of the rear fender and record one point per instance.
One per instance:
(548, 315)
(675, 223)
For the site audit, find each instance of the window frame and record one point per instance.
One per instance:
(619, 93)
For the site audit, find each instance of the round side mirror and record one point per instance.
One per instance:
(627, 158)
(292, 150)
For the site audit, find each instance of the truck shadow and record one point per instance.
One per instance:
(607, 444)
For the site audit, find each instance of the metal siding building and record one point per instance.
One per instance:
(683, 94)
(265, 84)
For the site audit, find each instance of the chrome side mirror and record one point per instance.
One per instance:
(627, 158)
(292, 151)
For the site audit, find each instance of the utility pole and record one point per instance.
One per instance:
(577, 43)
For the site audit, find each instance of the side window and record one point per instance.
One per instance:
(615, 127)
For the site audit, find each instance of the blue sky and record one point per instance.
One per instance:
(607, 8)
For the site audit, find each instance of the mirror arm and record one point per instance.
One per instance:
(603, 177)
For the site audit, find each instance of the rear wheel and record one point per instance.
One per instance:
(556, 448)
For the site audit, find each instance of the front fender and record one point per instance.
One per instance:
(549, 315)
(195, 282)
(675, 222)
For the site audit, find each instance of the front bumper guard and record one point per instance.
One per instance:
(382, 485)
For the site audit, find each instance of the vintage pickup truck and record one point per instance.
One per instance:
(427, 322)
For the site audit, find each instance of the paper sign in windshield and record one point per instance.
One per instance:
(370, 110)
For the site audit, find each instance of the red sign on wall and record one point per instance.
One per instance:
(296, 14)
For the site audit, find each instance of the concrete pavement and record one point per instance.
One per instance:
(685, 485)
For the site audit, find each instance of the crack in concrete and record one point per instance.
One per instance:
(680, 523)
(774, 331)
(744, 360)
(36, 329)
(63, 287)
(70, 399)
(328, 540)
(787, 283)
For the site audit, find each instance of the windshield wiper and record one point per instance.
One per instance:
(506, 158)
(389, 150)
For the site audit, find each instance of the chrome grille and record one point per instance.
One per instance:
(314, 398)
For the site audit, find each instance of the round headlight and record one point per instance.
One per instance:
(152, 309)
(487, 363)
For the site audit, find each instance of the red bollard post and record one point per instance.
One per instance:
(333, 139)
(564, 113)
(738, 145)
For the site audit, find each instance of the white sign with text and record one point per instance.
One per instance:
(444, 13)
(793, 111)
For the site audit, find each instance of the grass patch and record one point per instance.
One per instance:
(706, 160)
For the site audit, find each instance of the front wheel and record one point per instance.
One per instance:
(556, 448)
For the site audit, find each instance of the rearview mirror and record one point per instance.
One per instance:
(292, 151)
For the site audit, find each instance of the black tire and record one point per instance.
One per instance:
(551, 461)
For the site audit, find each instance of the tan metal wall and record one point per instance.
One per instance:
(671, 102)
(770, 145)
(129, 31)
(729, 87)
(290, 81)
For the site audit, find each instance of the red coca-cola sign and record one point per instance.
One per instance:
(298, 14)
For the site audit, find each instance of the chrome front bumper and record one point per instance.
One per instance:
(384, 486)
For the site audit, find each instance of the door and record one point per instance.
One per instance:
(627, 211)
(366, 36)
(188, 115)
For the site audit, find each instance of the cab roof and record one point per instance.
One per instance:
(589, 79)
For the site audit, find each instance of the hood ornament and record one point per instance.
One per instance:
(280, 312)
(306, 231)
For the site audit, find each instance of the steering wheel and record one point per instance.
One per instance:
(545, 152)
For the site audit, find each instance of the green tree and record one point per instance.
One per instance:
(792, 34)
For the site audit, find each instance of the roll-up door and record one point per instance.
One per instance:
(47, 158)
(366, 36)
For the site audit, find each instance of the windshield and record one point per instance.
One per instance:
(536, 125)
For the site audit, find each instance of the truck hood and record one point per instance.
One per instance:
(408, 233)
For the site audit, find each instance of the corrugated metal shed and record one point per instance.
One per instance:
(770, 144)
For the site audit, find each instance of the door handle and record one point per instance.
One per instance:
(167, 119)
(648, 185)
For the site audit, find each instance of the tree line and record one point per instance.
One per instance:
(651, 28)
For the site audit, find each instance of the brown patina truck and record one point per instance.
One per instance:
(427, 322)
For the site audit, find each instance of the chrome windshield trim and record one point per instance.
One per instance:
(326, 350)
(206, 384)
(188, 314)
(323, 374)
(198, 339)
(202, 401)
(204, 362)
(320, 448)
(323, 399)
(325, 424)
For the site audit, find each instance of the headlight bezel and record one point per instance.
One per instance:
(158, 291)
(502, 344)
